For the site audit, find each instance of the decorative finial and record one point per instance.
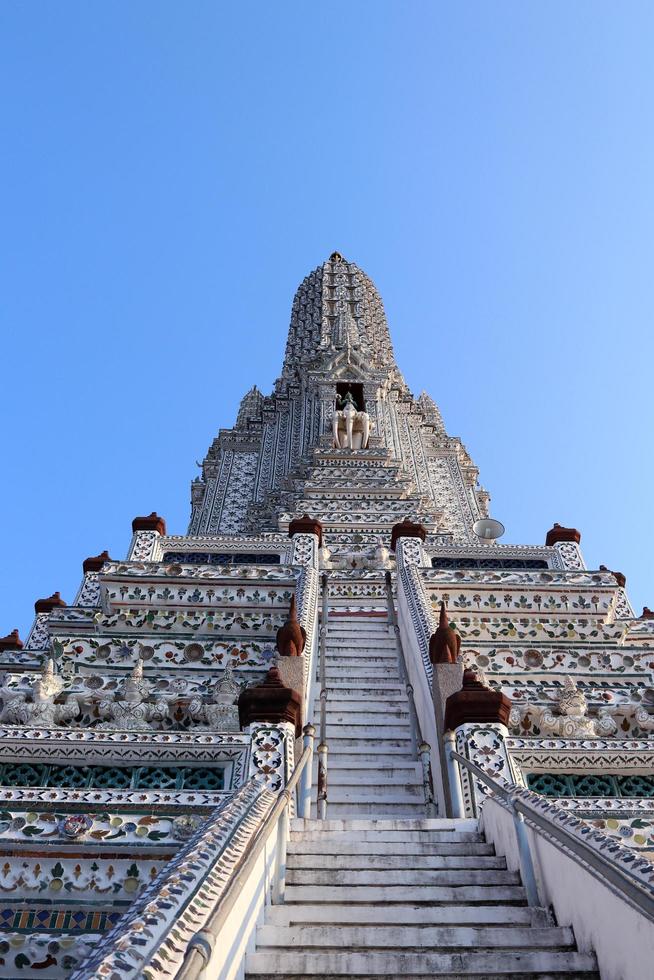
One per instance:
(291, 637)
(444, 644)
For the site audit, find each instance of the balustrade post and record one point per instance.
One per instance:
(527, 872)
(304, 788)
(322, 781)
(427, 782)
(279, 882)
(454, 776)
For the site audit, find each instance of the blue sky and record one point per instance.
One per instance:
(171, 171)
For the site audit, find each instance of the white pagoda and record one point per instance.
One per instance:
(482, 713)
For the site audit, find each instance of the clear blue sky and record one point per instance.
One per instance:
(171, 171)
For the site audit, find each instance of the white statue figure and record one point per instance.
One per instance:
(351, 428)
(220, 713)
(572, 720)
(129, 708)
(41, 711)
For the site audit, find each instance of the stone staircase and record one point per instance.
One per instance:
(391, 898)
(372, 765)
(378, 890)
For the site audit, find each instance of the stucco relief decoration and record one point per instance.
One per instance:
(36, 706)
(130, 708)
(269, 756)
(220, 712)
(571, 719)
(145, 546)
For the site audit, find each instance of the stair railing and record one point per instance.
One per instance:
(526, 809)
(321, 802)
(203, 944)
(420, 747)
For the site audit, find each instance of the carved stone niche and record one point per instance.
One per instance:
(476, 704)
(271, 701)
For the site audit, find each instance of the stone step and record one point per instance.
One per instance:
(394, 745)
(363, 704)
(403, 877)
(426, 831)
(348, 687)
(365, 777)
(377, 809)
(539, 964)
(370, 674)
(351, 635)
(377, 709)
(361, 658)
(444, 894)
(380, 862)
(395, 793)
(410, 850)
(352, 758)
(355, 644)
(412, 915)
(401, 938)
(369, 728)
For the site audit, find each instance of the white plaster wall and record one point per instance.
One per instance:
(421, 690)
(238, 933)
(603, 922)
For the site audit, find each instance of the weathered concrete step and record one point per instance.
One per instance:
(387, 794)
(355, 762)
(364, 759)
(410, 914)
(361, 706)
(361, 647)
(363, 777)
(409, 850)
(445, 894)
(375, 715)
(403, 877)
(395, 744)
(359, 701)
(377, 809)
(369, 719)
(353, 688)
(371, 673)
(525, 965)
(369, 730)
(445, 828)
(371, 658)
(391, 862)
(405, 937)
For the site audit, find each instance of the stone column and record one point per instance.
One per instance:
(89, 591)
(306, 534)
(478, 717)
(146, 534)
(566, 540)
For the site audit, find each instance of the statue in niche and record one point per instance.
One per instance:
(351, 427)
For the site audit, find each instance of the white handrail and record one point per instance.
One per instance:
(523, 805)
